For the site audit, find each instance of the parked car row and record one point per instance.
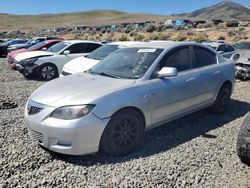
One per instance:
(51, 58)
(149, 83)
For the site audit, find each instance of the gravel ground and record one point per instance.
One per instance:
(195, 151)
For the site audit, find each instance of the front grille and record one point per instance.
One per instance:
(34, 110)
(65, 73)
(36, 136)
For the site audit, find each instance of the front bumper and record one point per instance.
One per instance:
(73, 137)
(26, 70)
(243, 71)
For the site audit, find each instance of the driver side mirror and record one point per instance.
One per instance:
(167, 72)
(44, 49)
(66, 52)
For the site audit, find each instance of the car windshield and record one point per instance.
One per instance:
(127, 63)
(102, 52)
(38, 45)
(29, 41)
(58, 47)
(243, 45)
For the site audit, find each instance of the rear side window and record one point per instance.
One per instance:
(222, 48)
(180, 58)
(91, 47)
(76, 49)
(230, 49)
(203, 57)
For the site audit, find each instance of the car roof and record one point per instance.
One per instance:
(81, 41)
(163, 44)
(124, 43)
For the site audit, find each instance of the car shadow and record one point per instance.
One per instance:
(169, 135)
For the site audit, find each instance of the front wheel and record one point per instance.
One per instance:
(123, 133)
(47, 72)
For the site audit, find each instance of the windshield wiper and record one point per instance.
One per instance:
(108, 75)
(103, 74)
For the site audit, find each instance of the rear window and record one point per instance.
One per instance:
(203, 57)
(58, 47)
(102, 52)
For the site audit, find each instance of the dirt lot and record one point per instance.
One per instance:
(195, 151)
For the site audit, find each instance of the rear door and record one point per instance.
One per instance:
(210, 70)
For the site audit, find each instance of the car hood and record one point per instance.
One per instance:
(14, 53)
(32, 54)
(80, 64)
(77, 89)
(244, 56)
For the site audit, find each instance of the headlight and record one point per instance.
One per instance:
(72, 112)
(28, 61)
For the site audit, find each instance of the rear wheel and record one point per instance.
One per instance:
(222, 99)
(243, 141)
(123, 133)
(47, 72)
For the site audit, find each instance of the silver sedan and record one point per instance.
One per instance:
(130, 91)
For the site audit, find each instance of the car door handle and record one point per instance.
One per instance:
(190, 79)
(217, 72)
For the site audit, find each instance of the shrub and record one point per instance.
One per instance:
(139, 37)
(123, 38)
(221, 37)
(151, 28)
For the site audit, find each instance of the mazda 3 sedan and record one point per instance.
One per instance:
(129, 92)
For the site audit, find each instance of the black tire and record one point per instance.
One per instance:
(243, 141)
(47, 72)
(222, 99)
(123, 134)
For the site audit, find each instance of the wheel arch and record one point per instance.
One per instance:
(135, 109)
(49, 63)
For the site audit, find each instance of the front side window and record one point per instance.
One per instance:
(127, 63)
(180, 59)
(203, 57)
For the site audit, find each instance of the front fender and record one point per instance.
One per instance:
(136, 96)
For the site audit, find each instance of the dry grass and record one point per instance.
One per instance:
(96, 17)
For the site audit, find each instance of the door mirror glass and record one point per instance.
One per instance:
(66, 52)
(167, 72)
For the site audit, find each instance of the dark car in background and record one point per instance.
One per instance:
(4, 46)
(30, 43)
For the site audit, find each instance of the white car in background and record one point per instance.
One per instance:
(84, 63)
(47, 65)
(225, 50)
